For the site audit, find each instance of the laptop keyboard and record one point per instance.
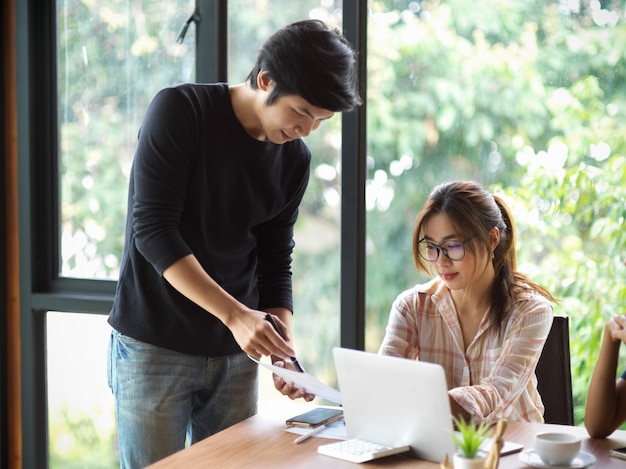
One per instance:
(355, 450)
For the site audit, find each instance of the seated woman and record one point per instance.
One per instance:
(606, 401)
(479, 318)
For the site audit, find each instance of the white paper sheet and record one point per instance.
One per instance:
(304, 380)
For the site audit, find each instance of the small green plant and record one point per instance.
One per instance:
(469, 436)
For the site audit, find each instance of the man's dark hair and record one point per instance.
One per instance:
(312, 61)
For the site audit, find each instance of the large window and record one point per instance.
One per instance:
(112, 58)
(527, 97)
(524, 96)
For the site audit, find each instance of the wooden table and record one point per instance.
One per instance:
(262, 442)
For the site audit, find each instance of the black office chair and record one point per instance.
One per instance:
(554, 375)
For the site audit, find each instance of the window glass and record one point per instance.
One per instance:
(526, 97)
(81, 417)
(113, 57)
(317, 234)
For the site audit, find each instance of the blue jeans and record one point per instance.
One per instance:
(163, 398)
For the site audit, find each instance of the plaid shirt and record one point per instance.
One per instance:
(495, 377)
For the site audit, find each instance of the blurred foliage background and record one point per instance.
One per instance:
(525, 96)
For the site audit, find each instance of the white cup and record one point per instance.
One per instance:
(557, 449)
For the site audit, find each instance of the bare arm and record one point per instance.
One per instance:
(606, 401)
(252, 332)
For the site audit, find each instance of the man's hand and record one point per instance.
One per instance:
(257, 337)
(290, 389)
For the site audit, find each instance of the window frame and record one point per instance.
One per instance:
(41, 287)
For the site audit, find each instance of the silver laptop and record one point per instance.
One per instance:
(395, 403)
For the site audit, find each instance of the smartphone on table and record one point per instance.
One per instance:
(315, 417)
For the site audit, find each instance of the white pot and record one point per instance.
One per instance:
(461, 462)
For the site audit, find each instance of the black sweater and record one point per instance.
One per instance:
(200, 184)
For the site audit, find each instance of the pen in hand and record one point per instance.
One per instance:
(268, 317)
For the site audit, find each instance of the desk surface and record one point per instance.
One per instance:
(262, 442)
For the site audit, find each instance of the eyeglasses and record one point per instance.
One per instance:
(453, 250)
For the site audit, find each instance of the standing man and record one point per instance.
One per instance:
(217, 179)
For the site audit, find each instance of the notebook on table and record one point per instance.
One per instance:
(392, 405)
